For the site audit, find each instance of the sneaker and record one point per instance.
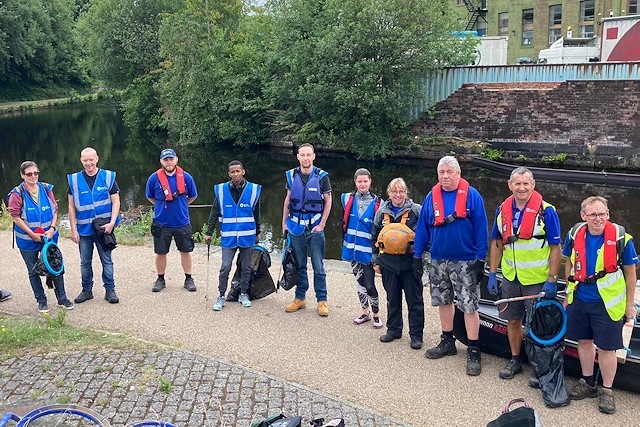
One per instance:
(244, 300)
(534, 382)
(446, 347)
(65, 303)
(606, 403)
(582, 390)
(83, 296)
(377, 323)
(217, 306)
(362, 319)
(416, 344)
(159, 285)
(111, 297)
(5, 295)
(513, 367)
(474, 361)
(43, 307)
(296, 305)
(323, 309)
(189, 284)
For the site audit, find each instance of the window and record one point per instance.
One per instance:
(555, 22)
(527, 26)
(503, 24)
(587, 14)
(633, 7)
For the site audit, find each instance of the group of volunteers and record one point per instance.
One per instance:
(384, 237)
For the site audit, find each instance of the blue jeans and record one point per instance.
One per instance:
(86, 258)
(30, 259)
(315, 241)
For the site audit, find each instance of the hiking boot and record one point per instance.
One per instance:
(244, 300)
(189, 284)
(43, 307)
(159, 285)
(65, 303)
(416, 344)
(83, 296)
(388, 337)
(606, 403)
(362, 319)
(582, 390)
(323, 309)
(217, 306)
(5, 295)
(446, 347)
(513, 367)
(111, 296)
(377, 323)
(474, 361)
(296, 305)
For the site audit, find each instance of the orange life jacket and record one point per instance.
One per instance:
(461, 202)
(395, 238)
(525, 231)
(164, 183)
(610, 252)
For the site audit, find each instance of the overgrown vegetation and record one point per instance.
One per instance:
(492, 153)
(50, 333)
(555, 158)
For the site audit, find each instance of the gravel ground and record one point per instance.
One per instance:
(331, 355)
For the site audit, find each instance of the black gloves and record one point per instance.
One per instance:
(418, 269)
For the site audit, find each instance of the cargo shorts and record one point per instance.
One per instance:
(454, 282)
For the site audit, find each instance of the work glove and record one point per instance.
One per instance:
(478, 269)
(418, 269)
(492, 284)
(550, 290)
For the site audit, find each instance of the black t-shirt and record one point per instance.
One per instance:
(91, 180)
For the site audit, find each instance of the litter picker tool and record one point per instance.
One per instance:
(523, 298)
(206, 293)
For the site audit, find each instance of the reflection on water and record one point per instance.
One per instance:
(54, 138)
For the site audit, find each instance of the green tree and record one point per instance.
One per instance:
(347, 72)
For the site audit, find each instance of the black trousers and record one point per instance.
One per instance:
(394, 283)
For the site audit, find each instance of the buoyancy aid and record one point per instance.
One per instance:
(395, 238)
(461, 203)
(357, 245)
(306, 202)
(164, 183)
(525, 231)
(612, 286)
(237, 221)
(613, 250)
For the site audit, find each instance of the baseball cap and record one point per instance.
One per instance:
(167, 152)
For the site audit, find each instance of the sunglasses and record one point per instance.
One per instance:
(30, 174)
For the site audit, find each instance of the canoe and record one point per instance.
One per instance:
(493, 340)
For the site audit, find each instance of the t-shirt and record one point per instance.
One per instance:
(589, 292)
(174, 213)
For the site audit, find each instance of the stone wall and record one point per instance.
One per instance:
(597, 123)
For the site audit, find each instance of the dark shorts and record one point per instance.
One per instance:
(162, 238)
(590, 321)
(516, 310)
(454, 282)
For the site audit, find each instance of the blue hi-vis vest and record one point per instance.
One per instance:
(357, 245)
(306, 203)
(237, 224)
(35, 215)
(93, 202)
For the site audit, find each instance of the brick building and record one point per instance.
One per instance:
(533, 25)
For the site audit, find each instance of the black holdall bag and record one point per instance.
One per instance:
(522, 416)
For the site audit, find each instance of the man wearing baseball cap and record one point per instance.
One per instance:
(171, 190)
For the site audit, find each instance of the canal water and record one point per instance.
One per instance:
(54, 138)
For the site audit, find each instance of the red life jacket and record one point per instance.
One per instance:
(164, 183)
(461, 202)
(610, 252)
(525, 231)
(349, 205)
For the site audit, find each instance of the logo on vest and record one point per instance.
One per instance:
(101, 188)
(367, 220)
(611, 242)
(312, 188)
(244, 205)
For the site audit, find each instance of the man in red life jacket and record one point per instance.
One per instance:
(525, 242)
(452, 226)
(171, 190)
(601, 284)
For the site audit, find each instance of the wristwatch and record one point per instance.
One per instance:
(553, 276)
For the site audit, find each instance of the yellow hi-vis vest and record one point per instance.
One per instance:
(612, 287)
(527, 259)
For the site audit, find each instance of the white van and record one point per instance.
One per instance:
(570, 51)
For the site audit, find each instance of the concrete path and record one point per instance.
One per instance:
(328, 357)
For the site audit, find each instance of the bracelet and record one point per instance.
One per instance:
(54, 228)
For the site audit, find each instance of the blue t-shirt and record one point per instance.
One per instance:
(176, 212)
(589, 292)
(464, 239)
(551, 224)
